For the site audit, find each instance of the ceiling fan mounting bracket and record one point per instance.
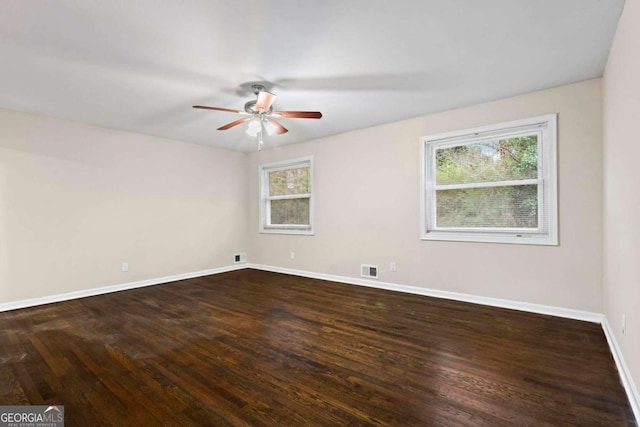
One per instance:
(257, 89)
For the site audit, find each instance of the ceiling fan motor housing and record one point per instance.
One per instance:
(250, 107)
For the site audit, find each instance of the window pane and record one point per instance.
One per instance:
(290, 181)
(292, 211)
(500, 160)
(511, 207)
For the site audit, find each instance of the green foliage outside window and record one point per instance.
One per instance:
(508, 206)
(290, 182)
(292, 211)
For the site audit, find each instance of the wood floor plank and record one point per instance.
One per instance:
(253, 348)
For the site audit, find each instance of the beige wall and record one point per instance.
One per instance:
(77, 200)
(621, 182)
(367, 208)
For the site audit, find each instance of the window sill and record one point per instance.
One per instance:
(492, 238)
(286, 231)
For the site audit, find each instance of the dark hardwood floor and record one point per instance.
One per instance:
(264, 349)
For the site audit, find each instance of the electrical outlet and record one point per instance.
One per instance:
(240, 257)
(393, 266)
(293, 255)
(624, 324)
(125, 267)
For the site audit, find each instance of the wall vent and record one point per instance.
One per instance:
(369, 271)
(241, 257)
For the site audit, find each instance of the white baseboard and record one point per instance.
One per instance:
(625, 375)
(114, 288)
(493, 302)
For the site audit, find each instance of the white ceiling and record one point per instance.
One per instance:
(139, 65)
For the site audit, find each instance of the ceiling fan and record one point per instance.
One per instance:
(260, 115)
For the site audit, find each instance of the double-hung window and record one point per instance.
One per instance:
(492, 184)
(286, 197)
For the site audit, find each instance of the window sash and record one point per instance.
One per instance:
(268, 222)
(489, 135)
(508, 230)
(290, 196)
(488, 184)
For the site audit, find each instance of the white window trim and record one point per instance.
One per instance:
(264, 219)
(547, 184)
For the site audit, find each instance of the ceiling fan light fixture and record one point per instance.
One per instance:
(271, 129)
(255, 126)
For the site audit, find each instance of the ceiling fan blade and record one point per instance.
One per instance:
(277, 127)
(298, 114)
(216, 108)
(265, 99)
(232, 124)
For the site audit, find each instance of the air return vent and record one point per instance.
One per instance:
(369, 271)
